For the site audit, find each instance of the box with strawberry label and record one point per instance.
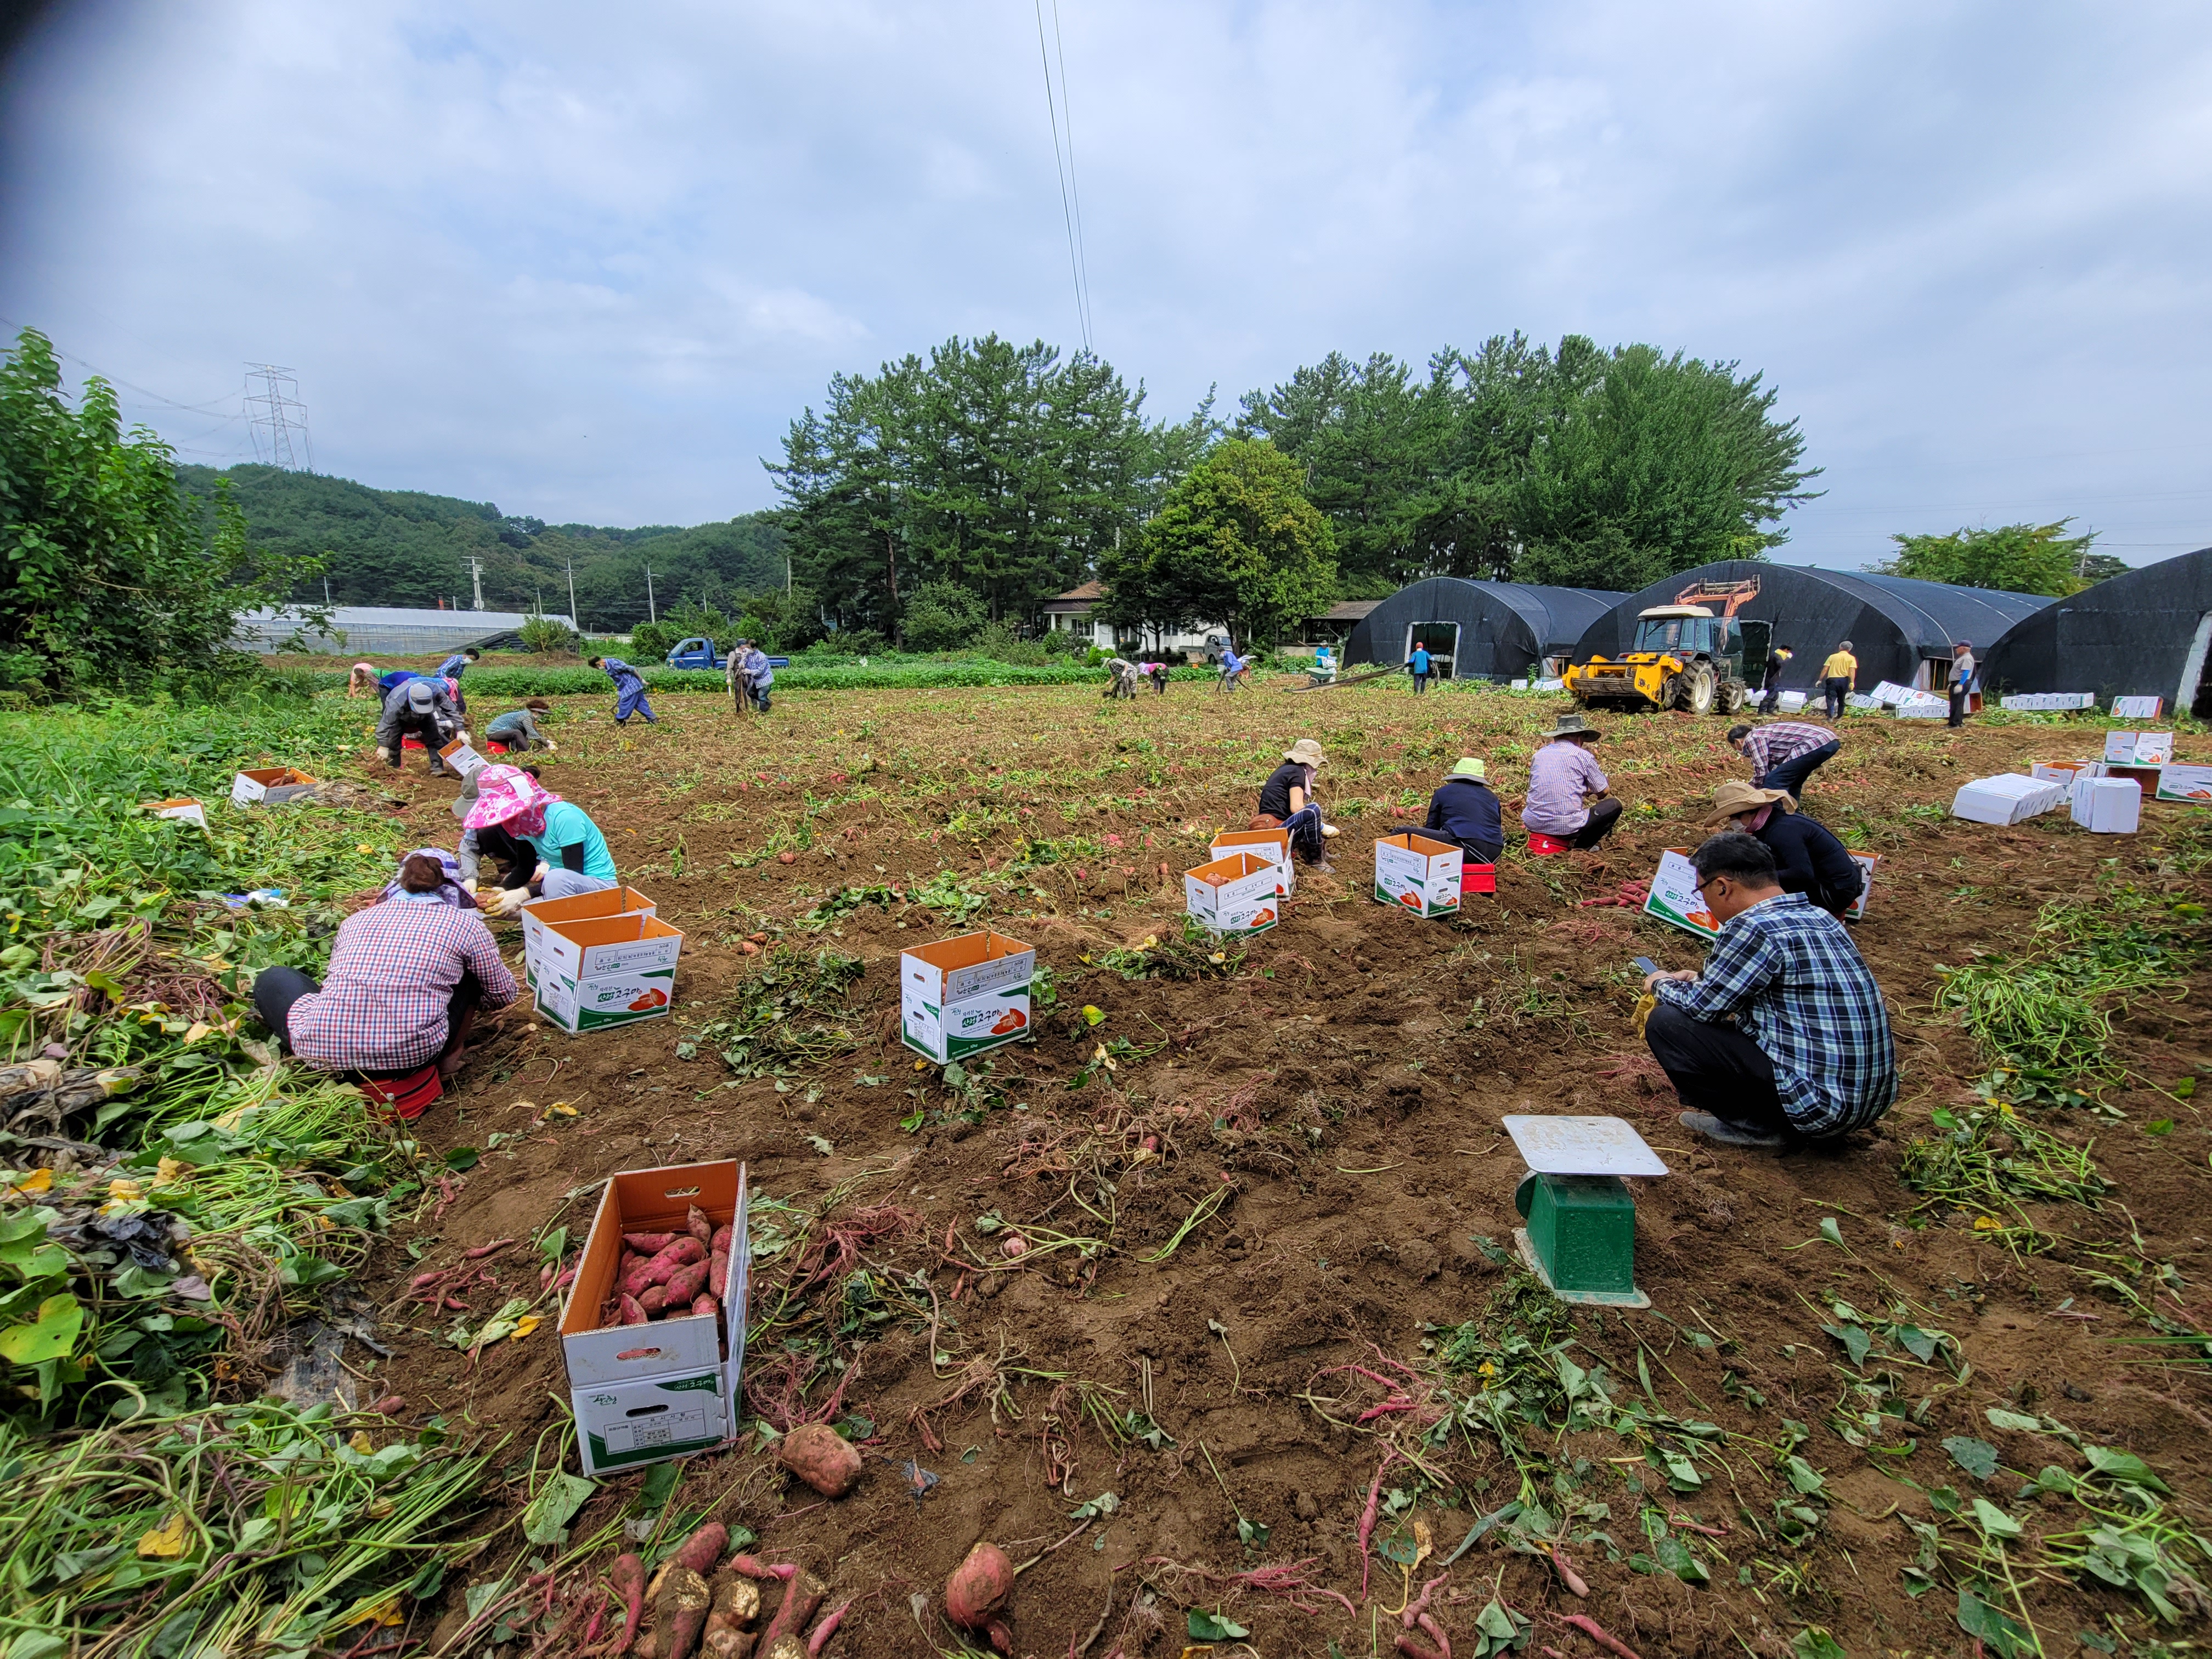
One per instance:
(963, 995)
(1418, 874)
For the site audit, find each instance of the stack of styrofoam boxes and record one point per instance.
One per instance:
(1923, 706)
(2110, 806)
(600, 959)
(2009, 798)
(2050, 703)
(1889, 692)
(645, 1393)
(1863, 700)
(1792, 702)
(963, 995)
(2137, 709)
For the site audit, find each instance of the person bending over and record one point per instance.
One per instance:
(1156, 672)
(421, 709)
(518, 729)
(361, 681)
(1287, 802)
(408, 976)
(1121, 678)
(1784, 753)
(1464, 811)
(1781, 1036)
(1808, 857)
(755, 678)
(552, 846)
(629, 689)
(1567, 799)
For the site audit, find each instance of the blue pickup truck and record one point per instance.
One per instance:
(701, 654)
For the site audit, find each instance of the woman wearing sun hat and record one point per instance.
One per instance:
(1567, 800)
(1286, 802)
(1808, 857)
(571, 856)
(1464, 811)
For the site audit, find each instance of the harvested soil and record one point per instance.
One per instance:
(1233, 1187)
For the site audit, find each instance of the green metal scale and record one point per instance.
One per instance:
(1580, 1236)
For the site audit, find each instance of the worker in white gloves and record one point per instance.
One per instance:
(421, 709)
(550, 846)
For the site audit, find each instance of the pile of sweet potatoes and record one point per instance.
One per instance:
(664, 1274)
(697, 1603)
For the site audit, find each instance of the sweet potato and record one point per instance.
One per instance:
(801, 1596)
(786, 1647)
(696, 1222)
(685, 1284)
(736, 1598)
(632, 1313)
(706, 1305)
(630, 1263)
(650, 1243)
(978, 1590)
(702, 1550)
(654, 1300)
(816, 1455)
(627, 1576)
(658, 1269)
(725, 1641)
(718, 1270)
(721, 1241)
(680, 1611)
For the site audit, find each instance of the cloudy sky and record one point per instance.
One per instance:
(587, 260)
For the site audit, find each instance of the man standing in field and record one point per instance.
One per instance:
(1418, 664)
(1781, 1036)
(629, 689)
(1784, 753)
(1962, 680)
(452, 667)
(1776, 660)
(1839, 676)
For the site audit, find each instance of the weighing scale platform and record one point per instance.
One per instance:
(1580, 1237)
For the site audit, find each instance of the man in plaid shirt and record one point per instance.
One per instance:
(1783, 1037)
(1784, 753)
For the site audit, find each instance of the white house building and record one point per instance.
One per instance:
(1076, 612)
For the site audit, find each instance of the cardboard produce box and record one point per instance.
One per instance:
(1415, 872)
(597, 1005)
(1675, 896)
(267, 785)
(1273, 845)
(645, 1393)
(2137, 709)
(539, 913)
(2184, 783)
(2066, 771)
(2153, 748)
(1239, 893)
(2008, 798)
(2151, 778)
(181, 807)
(963, 995)
(461, 756)
(1866, 861)
(2109, 806)
(600, 946)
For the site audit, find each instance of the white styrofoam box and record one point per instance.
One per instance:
(2110, 806)
(1273, 845)
(2009, 798)
(1551, 685)
(1920, 705)
(2050, 703)
(2137, 709)
(621, 1425)
(1791, 702)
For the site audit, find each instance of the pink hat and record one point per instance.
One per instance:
(509, 796)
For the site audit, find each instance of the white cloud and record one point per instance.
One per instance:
(572, 259)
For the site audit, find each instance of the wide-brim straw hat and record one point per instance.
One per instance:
(1467, 767)
(1573, 726)
(1735, 796)
(1305, 751)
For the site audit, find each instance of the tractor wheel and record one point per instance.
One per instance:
(1733, 696)
(1700, 688)
(1670, 693)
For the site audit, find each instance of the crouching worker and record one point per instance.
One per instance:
(1464, 811)
(419, 708)
(1567, 793)
(519, 730)
(551, 847)
(1121, 678)
(1808, 857)
(1782, 1038)
(1287, 802)
(408, 976)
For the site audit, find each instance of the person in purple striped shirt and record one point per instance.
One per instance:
(1784, 753)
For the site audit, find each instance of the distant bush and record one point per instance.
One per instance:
(998, 643)
(545, 636)
(652, 641)
(941, 616)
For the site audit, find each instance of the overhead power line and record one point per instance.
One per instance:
(1052, 104)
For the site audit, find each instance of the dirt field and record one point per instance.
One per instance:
(1344, 1329)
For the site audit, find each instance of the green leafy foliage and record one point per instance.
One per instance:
(112, 580)
(2014, 558)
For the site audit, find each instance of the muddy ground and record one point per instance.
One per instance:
(1326, 1105)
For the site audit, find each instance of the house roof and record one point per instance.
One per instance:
(1348, 611)
(1077, 598)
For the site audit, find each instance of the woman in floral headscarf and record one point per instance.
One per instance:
(554, 848)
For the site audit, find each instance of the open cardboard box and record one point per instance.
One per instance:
(266, 786)
(644, 1394)
(1241, 893)
(1419, 873)
(180, 806)
(583, 906)
(963, 995)
(636, 942)
(1273, 845)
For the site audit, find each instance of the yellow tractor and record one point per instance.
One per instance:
(1684, 657)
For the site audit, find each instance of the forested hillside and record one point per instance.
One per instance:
(402, 547)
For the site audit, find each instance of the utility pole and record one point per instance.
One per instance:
(651, 614)
(476, 575)
(326, 592)
(573, 621)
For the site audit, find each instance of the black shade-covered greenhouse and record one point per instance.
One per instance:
(2140, 634)
(1477, 630)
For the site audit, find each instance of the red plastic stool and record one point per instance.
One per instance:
(494, 745)
(1478, 878)
(406, 1097)
(1545, 847)
(411, 742)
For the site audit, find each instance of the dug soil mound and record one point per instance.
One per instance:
(1205, 1297)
